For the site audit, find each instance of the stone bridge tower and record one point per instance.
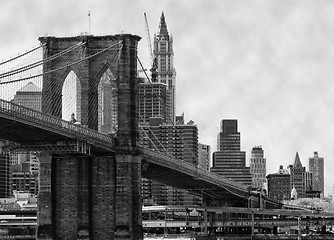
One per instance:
(97, 197)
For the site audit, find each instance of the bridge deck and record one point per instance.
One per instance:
(34, 130)
(26, 126)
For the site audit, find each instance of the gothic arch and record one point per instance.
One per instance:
(71, 96)
(107, 102)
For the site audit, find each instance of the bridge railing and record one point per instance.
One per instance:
(190, 169)
(53, 123)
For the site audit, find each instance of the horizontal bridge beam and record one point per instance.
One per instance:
(59, 147)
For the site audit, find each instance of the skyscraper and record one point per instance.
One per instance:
(181, 142)
(164, 54)
(229, 161)
(316, 166)
(258, 167)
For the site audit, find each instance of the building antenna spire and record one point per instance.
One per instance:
(88, 21)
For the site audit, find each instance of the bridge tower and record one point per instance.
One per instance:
(83, 195)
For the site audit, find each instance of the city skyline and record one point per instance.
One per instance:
(267, 64)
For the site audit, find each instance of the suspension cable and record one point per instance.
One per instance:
(21, 55)
(54, 70)
(162, 146)
(40, 62)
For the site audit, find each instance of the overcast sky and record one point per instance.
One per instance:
(269, 64)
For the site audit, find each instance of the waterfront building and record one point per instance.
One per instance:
(229, 161)
(316, 166)
(23, 179)
(279, 185)
(258, 167)
(164, 57)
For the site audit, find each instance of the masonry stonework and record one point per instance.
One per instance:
(92, 196)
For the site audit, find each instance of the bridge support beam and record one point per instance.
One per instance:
(44, 213)
(128, 198)
(98, 196)
(103, 190)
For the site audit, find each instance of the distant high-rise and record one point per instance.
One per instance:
(152, 102)
(316, 166)
(164, 54)
(229, 161)
(258, 167)
(29, 96)
(181, 142)
(204, 156)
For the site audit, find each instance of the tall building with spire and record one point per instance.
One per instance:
(298, 177)
(164, 57)
(297, 173)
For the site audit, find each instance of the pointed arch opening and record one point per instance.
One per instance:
(71, 98)
(107, 102)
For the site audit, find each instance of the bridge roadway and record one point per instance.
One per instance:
(27, 129)
(180, 216)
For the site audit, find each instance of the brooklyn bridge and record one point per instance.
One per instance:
(89, 179)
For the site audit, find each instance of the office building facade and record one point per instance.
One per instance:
(29, 96)
(181, 142)
(316, 166)
(229, 161)
(23, 179)
(258, 167)
(152, 102)
(204, 156)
